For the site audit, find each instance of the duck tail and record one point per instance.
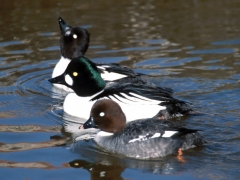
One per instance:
(179, 108)
(175, 109)
(193, 140)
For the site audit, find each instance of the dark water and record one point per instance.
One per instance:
(190, 46)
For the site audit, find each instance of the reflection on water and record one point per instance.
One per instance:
(191, 47)
(41, 165)
(88, 149)
(29, 146)
(102, 164)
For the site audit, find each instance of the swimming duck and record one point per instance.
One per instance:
(141, 139)
(138, 100)
(74, 42)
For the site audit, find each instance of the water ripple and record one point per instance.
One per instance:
(227, 42)
(9, 43)
(111, 59)
(213, 51)
(167, 62)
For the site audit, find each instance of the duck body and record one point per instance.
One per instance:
(142, 139)
(80, 106)
(138, 100)
(135, 142)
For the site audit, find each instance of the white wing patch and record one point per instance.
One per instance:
(135, 108)
(123, 100)
(68, 80)
(113, 98)
(134, 99)
(110, 76)
(146, 99)
(140, 138)
(144, 138)
(101, 67)
(156, 135)
(169, 133)
(105, 66)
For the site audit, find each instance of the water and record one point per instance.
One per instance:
(192, 47)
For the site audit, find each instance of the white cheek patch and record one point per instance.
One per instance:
(68, 32)
(75, 36)
(169, 133)
(68, 80)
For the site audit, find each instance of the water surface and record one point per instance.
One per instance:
(192, 47)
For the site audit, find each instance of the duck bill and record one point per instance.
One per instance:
(58, 80)
(89, 124)
(63, 25)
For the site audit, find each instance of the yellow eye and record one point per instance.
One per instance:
(75, 73)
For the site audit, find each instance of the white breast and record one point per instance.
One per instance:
(58, 70)
(81, 107)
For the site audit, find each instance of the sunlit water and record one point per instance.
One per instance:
(191, 47)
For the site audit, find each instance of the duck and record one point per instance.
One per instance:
(74, 42)
(138, 100)
(141, 139)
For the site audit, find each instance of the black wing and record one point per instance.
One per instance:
(116, 68)
(141, 91)
(140, 80)
(142, 130)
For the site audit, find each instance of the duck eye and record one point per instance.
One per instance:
(101, 114)
(75, 36)
(75, 73)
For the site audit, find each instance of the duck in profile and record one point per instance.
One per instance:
(74, 42)
(138, 99)
(142, 139)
